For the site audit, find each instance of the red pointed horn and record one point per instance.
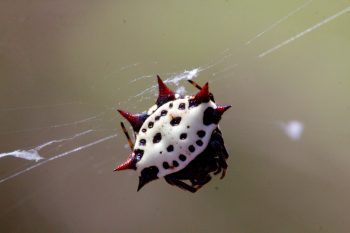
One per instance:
(135, 119)
(128, 164)
(165, 94)
(221, 109)
(203, 95)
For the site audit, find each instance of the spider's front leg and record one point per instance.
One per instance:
(218, 150)
(199, 182)
(181, 184)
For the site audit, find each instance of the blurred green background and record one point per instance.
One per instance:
(65, 66)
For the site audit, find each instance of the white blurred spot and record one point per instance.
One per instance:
(33, 154)
(293, 129)
(181, 91)
(187, 74)
(24, 154)
(174, 79)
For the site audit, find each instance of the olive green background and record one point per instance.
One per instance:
(65, 66)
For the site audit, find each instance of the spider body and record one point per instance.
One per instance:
(177, 139)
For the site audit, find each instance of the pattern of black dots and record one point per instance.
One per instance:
(157, 138)
(182, 106)
(188, 127)
(170, 105)
(182, 157)
(142, 142)
(144, 130)
(150, 125)
(157, 118)
(166, 165)
(199, 142)
(175, 163)
(175, 121)
(163, 112)
(191, 148)
(183, 136)
(201, 133)
(170, 148)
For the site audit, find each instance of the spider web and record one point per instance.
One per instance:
(92, 127)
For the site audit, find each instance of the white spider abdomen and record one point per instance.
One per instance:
(173, 136)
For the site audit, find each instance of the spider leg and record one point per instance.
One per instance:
(218, 169)
(223, 165)
(222, 162)
(198, 183)
(180, 184)
(131, 144)
(220, 152)
(200, 88)
(194, 84)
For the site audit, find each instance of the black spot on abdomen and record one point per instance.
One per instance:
(211, 116)
(182, 157)
(182, 106)
(183, 136)
(157, 138)
(175, 121)
(138, 154)
(201, 133)
(175, 163)
(142, 142)
(166, 165)
(191, 148)
(170, 148)
(199, 142)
